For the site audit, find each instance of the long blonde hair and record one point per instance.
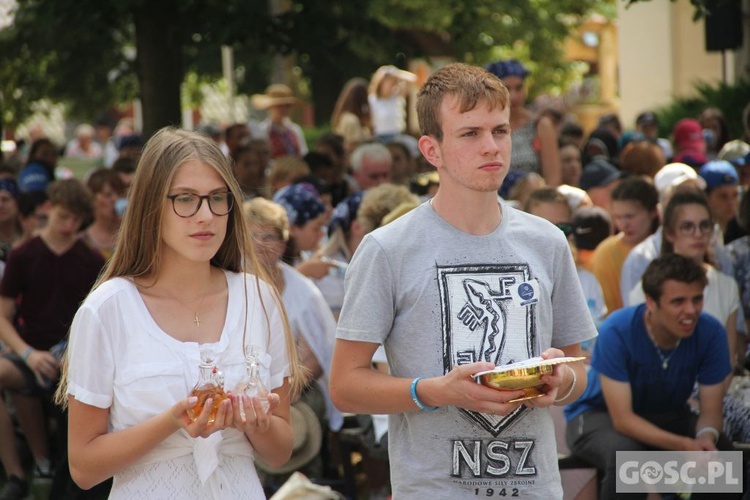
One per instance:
(138, 248)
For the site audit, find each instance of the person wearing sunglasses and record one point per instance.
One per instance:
(550, 204)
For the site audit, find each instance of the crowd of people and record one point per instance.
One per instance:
(371, 273)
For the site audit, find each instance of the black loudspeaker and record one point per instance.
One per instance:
(723, 24)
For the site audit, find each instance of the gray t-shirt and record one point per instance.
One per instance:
(437, 297)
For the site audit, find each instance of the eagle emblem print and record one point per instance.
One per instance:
(481, 322)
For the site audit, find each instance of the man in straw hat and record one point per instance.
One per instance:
(459, 285)
(285, 136)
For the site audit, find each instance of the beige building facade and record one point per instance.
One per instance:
(662, 55)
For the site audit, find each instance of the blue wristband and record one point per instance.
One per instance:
(415, 398)
(26, 353)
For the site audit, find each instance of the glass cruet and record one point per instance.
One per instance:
(210, 385)
(252, 383)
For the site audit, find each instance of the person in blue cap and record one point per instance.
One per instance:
(534, 137)
(39, 170)
(352, 219)
(722, 190)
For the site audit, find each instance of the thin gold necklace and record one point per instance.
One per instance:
(196, 318)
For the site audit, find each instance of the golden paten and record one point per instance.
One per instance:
(526, 376)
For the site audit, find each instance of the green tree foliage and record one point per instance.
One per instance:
(341, 39)
(69, 52)
(94, 53)
(475, 28)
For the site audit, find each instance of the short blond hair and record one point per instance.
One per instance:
(379, 201)
(470, 85)
(267, 213)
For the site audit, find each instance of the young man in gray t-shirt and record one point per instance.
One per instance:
(459, 285)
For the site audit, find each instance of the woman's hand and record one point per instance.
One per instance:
(248, 414)
(200, 427)
(315, 267)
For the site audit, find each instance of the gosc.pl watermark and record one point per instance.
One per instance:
(679, 472)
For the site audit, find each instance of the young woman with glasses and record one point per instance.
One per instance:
(688, 226)
(183, 277)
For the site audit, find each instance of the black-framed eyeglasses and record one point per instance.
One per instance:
(566, 228)
(686, 228)
(187, 204)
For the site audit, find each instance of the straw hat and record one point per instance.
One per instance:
(276, 95)
(307, 440)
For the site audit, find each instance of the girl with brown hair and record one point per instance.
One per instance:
(183, 277)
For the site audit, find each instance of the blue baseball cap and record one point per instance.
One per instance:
(718, 173)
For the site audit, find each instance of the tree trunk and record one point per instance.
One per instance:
(158, 37)
(742, 55)
(326, 83)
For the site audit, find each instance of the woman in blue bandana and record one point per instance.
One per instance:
(534, 137)
(307, 219)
